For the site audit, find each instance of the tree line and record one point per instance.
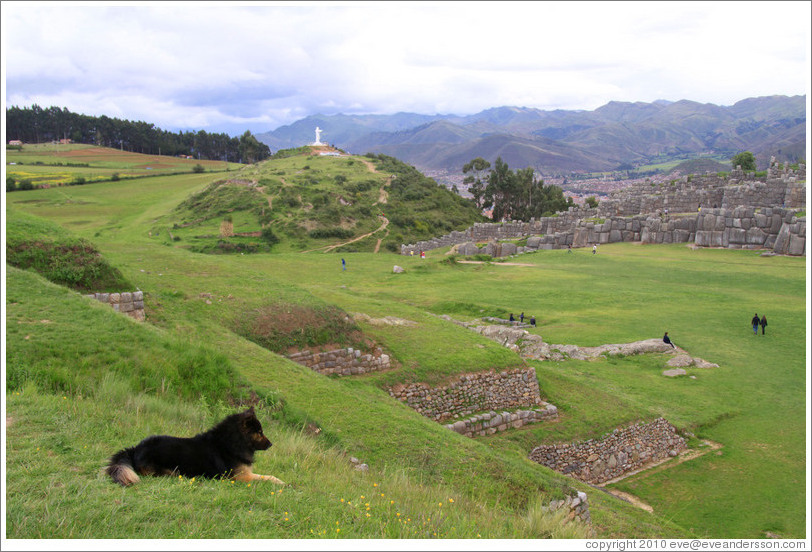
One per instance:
(36, 125)
(512, 195)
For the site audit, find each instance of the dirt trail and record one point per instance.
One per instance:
(495, 264)
(328, 248)
(381, 227)
(383, 197)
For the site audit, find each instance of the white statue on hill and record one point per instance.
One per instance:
(318, 137)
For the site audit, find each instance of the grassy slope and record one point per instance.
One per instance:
(60, 434)
(625, 293)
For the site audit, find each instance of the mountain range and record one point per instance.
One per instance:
(616, 135)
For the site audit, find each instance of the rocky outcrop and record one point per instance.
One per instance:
(576, 504)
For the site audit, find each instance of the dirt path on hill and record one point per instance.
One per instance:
(496, 264)
(383, 197)
(383, 226)
(328, 248)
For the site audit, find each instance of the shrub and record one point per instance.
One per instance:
(337, 232)
(78, 180)
(198, 168)
(281, 326)
(69, 262)
(11, 185)
(269, 236)
(115, 177)
(26, 184)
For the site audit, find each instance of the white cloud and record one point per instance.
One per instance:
(263, 65)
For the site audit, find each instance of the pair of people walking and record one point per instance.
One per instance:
(756, 322)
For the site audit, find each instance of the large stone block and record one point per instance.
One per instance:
(756, 236)
(797, 245)
(737, 236)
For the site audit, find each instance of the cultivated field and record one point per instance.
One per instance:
(84, 381)
(58, 165)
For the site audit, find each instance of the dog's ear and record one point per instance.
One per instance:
(250, 412)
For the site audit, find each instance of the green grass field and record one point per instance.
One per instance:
(83, 381)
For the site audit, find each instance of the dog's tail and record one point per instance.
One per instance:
(121, 468)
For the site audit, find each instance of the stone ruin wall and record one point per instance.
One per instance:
(598, 460)
(577, 506)
(343, 362)
(130, 303)
(638, 214)
(492, 422)
(471, 393)
(782, 187)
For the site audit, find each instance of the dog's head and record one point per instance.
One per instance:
(253, 429)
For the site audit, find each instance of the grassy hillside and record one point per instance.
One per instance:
(59, 345)
(47, 248)
(305, 201)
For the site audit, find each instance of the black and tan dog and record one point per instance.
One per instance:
(226, 450)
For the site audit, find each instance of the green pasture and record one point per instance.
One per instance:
(753, 404)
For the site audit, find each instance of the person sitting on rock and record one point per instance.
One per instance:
(667, 339)
(533, 321)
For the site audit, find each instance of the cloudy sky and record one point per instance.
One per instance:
(237, 66)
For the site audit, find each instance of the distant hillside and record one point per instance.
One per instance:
(302, 201)
(559, 141)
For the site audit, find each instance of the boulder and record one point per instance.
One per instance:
(680, 361)
(674, 372)
(397, 269)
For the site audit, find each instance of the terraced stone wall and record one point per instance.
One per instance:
(130, 303)
(618, 453)
(472, 393)
(343, 362)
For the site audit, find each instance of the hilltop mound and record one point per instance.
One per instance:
(699, 166)
(319, 199)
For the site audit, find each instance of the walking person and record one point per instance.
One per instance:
(763, 323)
(343, 264)
(667, 339)
(521, 318)
(755, 322)
(594, 249)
